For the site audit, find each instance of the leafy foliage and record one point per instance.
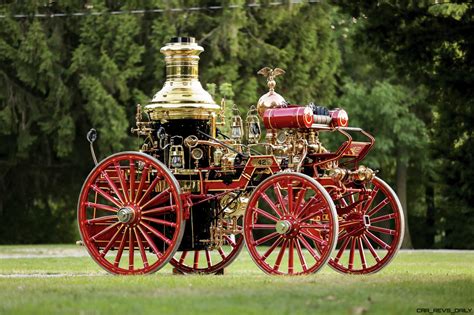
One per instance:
(402, 70)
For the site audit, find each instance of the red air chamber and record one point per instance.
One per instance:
(288, 117)
(339, 117)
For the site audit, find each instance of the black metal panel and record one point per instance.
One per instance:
(198, 227)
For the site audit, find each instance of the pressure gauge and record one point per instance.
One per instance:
(281, 137)
(197, 153)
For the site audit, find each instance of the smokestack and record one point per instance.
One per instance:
(182, 96)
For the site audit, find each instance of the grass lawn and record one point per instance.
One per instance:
(63, 280)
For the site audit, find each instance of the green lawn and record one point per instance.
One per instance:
(76, 285)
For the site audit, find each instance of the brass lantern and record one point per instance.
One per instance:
(253, 125)
(237, 130)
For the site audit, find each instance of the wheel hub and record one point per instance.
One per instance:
(283, 226)
(125, 215)
(366, 220)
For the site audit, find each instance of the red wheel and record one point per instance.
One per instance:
(371, 228)
(290, 213)
(209, 261)
(130, 205)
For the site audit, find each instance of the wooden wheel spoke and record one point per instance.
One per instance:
(156, 232)
(150, 242)
(265, 214)
(121, 177)
(345, 224)
(301, 255)
(160, 210)
(312, 215)
(272, 248)
(258, 226)
(222, 253)
(111, 242)
(196, 259)
(290, 196)
(315, 226)
(120, 249)
(308, 247)
(382, 230)
(159, 221)
(299, 199)
(370, 199)
(183, 256)
(141, 248)
(101, 207)
(276, 267)
(371, 248)
(351, 233)
(230, 241)
(378, 240)
(383, 218)
(361, 253)
(378, 207)
(208, 259)
(315, 200)
(142, 181)
(94, 238)
(131, 250)
(102, 219)
(132, 179)
(106, 196)
(351, 253)
(161, 197)
(271, 204)
(149, 189)
(342, 249)
(266, 238)
(314, 238)
(291, 256)
(281, 202)
(113, 187)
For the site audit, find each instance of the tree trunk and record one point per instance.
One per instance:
(430, 214)
(402, 193)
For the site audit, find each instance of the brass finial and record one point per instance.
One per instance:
(270, 74)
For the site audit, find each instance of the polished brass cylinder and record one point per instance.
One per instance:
(182, 96)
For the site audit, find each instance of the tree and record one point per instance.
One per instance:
(385, 111)
(432, 43)
(61, 76)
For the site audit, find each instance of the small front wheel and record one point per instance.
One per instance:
(371, 229)
(290, 225)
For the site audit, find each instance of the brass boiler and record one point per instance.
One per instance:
(182, 96)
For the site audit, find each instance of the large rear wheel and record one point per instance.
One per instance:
(209, 261)
(130, 215)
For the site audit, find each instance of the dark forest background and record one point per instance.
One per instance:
(403, 70)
